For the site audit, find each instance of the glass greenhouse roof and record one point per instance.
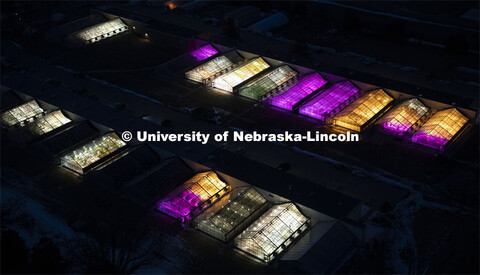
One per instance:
(272, 232)
(401, 118)
(21, 113)
(329, 100)
(92, 152)
(209, 69)
(192, 195)
(48, 122)
(267, 83)
(304, 87)
(232, 79)
(440, 128)
(102, 30)
(362, 110)
(203, 52)
(230, 213)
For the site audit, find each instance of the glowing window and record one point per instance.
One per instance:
(203, 189)
(203, 52)
(401, 118)
(267, 83)
(231, 80)
(362, 110)
(21, 113)
(273, 232)
(103, 30)
(330, 101)
(209, 69)
(440, 128)
(47, 123)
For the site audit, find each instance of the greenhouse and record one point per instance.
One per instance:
(233, 79)
(103, 30)
(293, 95)
(191, 197)
(215, 66)
(227, 217)
(362, 110)
(261, 87)
(20, 114)
(330, 101)
(47, 123)
(82, 159)
(273, 232)
(203, 52)
(440, 128)
(404, 116)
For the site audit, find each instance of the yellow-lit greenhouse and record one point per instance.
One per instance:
(231, 80)
(273, 232)
(213, 67)
(356, 115)
(230, 215)
(261, 87)
(404, 116)
(47, 123)
(440, 128)
(92, 154)
(21, 114)
(101, 31)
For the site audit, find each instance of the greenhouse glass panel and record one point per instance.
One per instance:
(267, 83)
(198, 192)
(232, 79)
(330, 101)
(440, 128)
(401, 118)
(21, 113)
(103, 30)
(363, 109)
(93, 152)
(273, 232)
(228, 216)
(209, 69)
(47, 123)
(293, 95)
(203, 52)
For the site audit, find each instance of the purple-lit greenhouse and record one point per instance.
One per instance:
(203, 52)
(293, 95)
(331, 100)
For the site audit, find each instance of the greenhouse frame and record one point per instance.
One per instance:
(206, 71)
(330, 100)
(273, 232)
(101, 31)
(305, 86)
(230, 215)
(440, 128)
(262, 87)
(48, 123)
(356, 115)
(21, 114)
(403, 117)
(203, 52)
(231, 80)
(95, 152)
(193, 196)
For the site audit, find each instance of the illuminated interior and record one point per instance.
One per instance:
(192, 196)
(330, 101)
(440, 128)
(203, 52)
(404, 116)
(363, 109)
(47, 123)
(294, 94)
(21, 114)
(232, 213)
(209, 69)
(273, 232)
(93, 152)
(101, 31)
(230, 80)
(267, 83)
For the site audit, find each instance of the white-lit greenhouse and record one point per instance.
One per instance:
(233, 79)
(47, 123)
(213, 67)
(101, 31)
(273, 232)
(227, 217)
(21, 114)
(260, 88)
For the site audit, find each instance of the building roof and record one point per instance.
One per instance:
(403, 116)
(241, 74)
(259, 88)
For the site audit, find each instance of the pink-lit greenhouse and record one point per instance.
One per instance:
(331, 100)
(203, 52)
(305, 86)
